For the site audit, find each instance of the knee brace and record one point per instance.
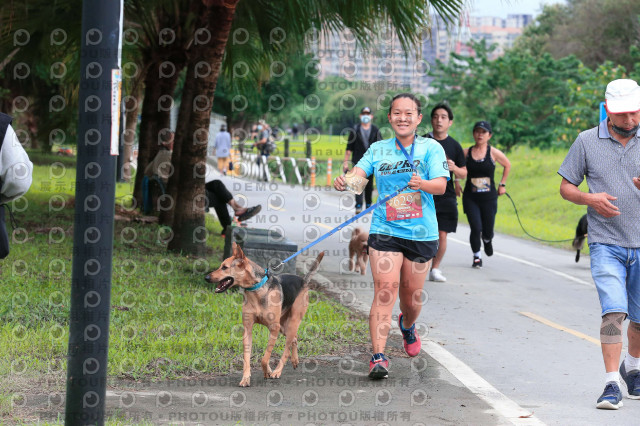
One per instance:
(611, 328)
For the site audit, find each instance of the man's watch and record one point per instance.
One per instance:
(503, 184)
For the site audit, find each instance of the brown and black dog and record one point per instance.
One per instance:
(279, 304)
(358, 251)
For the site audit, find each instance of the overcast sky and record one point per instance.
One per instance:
(502, 8)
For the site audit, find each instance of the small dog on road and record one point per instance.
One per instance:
(278, 301)
(358, 251)
(581, 235)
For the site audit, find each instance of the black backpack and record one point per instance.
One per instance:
(5, 121)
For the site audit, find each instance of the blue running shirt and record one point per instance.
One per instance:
(392, 172)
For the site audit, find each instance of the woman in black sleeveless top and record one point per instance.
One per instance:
(480, 197)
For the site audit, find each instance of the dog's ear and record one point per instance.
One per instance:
(236, 250)
(238, 253)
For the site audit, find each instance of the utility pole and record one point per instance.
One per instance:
(98, 140)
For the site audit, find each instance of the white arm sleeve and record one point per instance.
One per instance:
(16, 169)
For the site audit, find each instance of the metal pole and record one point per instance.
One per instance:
(120, 160)
(98, 139)
(307, 150)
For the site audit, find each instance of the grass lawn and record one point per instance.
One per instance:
(166, 322)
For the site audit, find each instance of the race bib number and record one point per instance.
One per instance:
(405, 206)
(482, 184)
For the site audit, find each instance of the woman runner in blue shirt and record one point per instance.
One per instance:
(404, 232)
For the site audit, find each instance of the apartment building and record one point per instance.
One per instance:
(387, 66)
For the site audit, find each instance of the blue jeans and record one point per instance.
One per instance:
(616, 273)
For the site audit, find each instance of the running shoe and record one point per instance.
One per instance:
(436, 275)
(632, 380)
(477, 262)
(611, 398)
(410, 340)
(378, 367)
(488, 247)
(251, 212)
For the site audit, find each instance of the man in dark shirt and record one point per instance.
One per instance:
(358, 141)
(446, 204)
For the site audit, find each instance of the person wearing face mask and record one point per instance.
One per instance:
(359, 139)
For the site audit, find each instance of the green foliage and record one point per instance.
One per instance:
(288, 87)
(582, 110)
(594, 31)
(51, 50)
(536, 38)
(516, 93)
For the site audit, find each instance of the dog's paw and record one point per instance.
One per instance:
(294, 362)
(275, 374)
(245, 382)
(266, 372)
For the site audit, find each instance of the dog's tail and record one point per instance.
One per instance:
(313, 268)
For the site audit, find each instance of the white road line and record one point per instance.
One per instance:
(535, 265)
(479, 386)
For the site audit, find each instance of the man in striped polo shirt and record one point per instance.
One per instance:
(609, 157)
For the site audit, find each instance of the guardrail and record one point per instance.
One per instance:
(269, 168)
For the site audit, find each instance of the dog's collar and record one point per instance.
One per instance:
(260, 283)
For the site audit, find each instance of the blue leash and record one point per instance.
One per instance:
(339, 227)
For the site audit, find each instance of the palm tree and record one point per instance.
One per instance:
(295, 17)
(163, 30)
(46, 37)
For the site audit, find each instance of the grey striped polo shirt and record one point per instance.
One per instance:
(609, 167)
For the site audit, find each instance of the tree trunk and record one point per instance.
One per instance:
(188, 221)
(156, 116)
(180, 139)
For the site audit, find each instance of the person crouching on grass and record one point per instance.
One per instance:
(404, 232)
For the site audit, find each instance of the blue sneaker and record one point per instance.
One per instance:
(611, 398)
(632, 380)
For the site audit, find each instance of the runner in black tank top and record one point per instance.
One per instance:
(480, 181)
(480, 197)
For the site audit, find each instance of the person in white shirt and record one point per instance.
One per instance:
(222, 144)
(16, 169)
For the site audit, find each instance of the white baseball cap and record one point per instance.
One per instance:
(622, 95)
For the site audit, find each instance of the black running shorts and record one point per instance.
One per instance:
(415, 251)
